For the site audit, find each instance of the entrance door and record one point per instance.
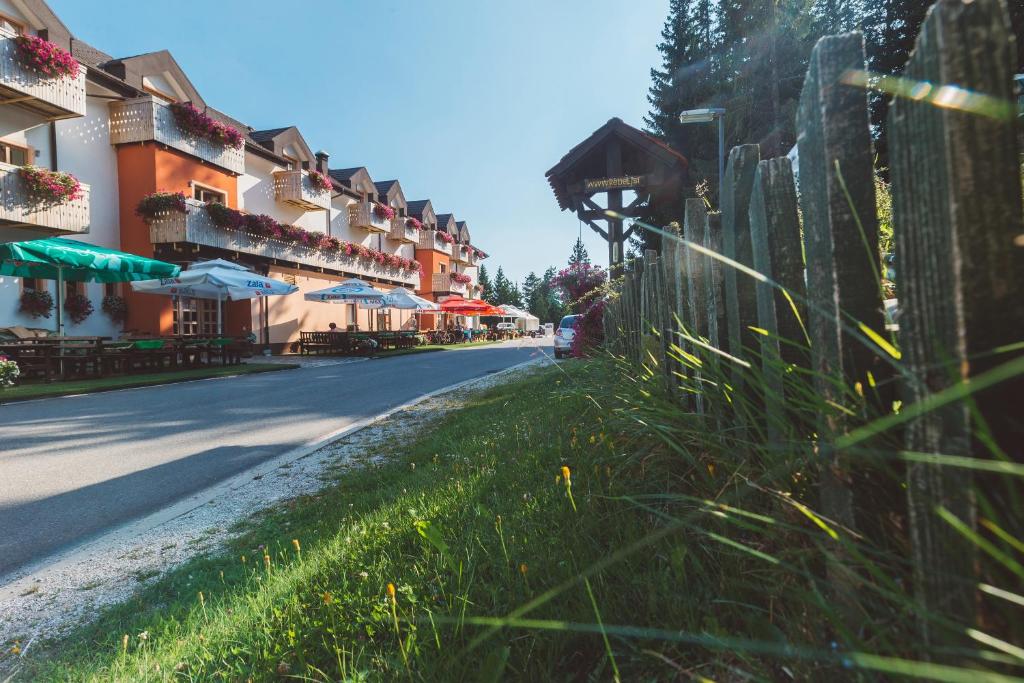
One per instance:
(197, 316)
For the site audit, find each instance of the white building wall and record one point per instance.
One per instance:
(84, 150)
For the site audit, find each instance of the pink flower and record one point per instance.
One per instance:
(383, 211)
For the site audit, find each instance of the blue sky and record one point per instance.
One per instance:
(467, 102)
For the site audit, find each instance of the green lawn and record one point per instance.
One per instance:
(87, 386)
(470, 521)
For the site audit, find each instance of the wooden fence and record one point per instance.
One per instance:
(810, 307)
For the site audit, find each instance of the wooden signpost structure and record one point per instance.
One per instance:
(617, 158)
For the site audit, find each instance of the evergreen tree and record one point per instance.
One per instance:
(505, 291)
(549, 298)
(484, 280)
(531, 285)
(579, 253)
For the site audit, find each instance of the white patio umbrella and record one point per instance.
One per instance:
(348, 292)
(217, 279)
(402, 298)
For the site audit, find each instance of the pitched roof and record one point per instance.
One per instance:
(344, 174)
(384, 186)
(443, 219)
(642, 154)
(267, 135)
(415, 208)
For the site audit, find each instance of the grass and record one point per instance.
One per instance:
(36, 390)
(470, 521)
(574, 525)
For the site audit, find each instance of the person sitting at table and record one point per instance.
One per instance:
(332, 327)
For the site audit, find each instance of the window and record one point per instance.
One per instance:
(11, 25)
(111, 289)
(32, 284)
(441, 266)
(13, 154)
(350, 316)
(72, 288)
(197, 316)
(208, 195)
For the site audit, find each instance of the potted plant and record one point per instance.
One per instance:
(78, 307)
(115, 307)
(159, 204)
(445, 237)
(383, 211)
(36, 303)
(202, 125)
(9, 372)
(49, 59)
(50, 187)
(319, 182)
(461, 278)
(413, 223)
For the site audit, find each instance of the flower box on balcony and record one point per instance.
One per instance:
(50, 96)
(442, 282)
(21, 209)
(402, 231)
(430, 240)
(298, 189)
(143, 119)
(363, 215)
(196, 226)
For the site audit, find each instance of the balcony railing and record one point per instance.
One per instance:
(196, 227)
(362, 215)
(53, 98)
(461, 253)
(143, 119)
(429, 240)
(19, 210)
(443, 282)
(401, 232)
(295, 188)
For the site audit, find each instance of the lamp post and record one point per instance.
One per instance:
(707, 116)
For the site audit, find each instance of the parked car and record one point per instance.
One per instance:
(564, 335)
(506, 327)
(548, 329)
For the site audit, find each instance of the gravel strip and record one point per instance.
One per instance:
(51, 601)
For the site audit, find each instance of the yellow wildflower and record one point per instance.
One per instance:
(565, 474)
(523, 569)
(295, 543)
(391, 593)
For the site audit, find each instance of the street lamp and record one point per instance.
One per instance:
(707, 116)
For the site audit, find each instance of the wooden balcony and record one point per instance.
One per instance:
(295, 188)
(196, 227)
(400, 232)
(143, 119)
(442, 282)
(461, 253)
(51, 98)
(22, 218)
(429, 240)
(362, 215)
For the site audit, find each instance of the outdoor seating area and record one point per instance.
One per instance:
(59, 358)
(356, 343)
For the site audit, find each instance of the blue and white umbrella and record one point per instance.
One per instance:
(352, 291)
(217, 279)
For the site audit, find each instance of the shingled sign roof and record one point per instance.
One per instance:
(642, 154)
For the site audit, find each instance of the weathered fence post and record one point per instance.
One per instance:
(837, 196)
(960, 278)
(714, 289)
(698, 270)
(777, 254)
(739, 290)
(673, 257)
(651, 330)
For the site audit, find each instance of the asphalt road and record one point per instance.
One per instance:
(72, 468)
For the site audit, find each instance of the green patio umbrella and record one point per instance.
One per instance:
(61, 259)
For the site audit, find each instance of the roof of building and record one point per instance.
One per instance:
(641, 154)
(267, 135)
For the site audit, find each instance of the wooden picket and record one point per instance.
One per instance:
(957, 211)
(776, 253)
(815, 311)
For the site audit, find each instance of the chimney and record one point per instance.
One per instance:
(321, 161)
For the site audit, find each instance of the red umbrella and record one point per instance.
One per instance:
(461, 306)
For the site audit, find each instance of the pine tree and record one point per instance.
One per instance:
(484, 280)
(505, 291)
(579, 253)
(531, 284)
